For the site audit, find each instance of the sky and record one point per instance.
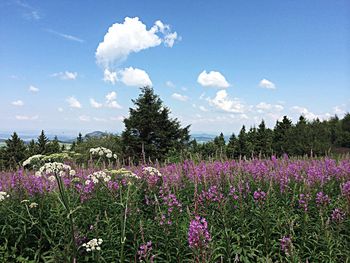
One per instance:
(74, 66)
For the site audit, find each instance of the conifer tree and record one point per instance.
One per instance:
(42, 143)
(149, 132)
(15, 151)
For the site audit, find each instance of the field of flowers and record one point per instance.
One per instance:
(273, 210)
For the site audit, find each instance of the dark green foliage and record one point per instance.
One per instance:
(15, 151)
(42, 143)
(281, 135)
(53, 146)
(149, 132)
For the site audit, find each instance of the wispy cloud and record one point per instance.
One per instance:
(66, 36)
(30, 12)
(26, 118)
(67, 75)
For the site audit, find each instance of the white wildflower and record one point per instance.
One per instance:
(33, 205)
(151, 171)
(101, 151)
(3, 195)
(72, 173)
(31, 159)
(115, 156)
(51, 178)
(93, 244)
(97, 176)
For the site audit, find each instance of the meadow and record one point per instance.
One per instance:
(259, 210)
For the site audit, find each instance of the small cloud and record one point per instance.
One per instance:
(135, 77)
(65, 36)
(110, 76)
(33, 89)
(60, 109)
(30, 12)
(84, 118)
(223, 102)
(73, 102)
(179, 97)
(117, 118)
(169, 84)
(26, 117)
(204, 109)
(267, 84)
(100, 119)
(17, 103)
(111, 101)
(67, 75)
(212, 79)
(95, 104)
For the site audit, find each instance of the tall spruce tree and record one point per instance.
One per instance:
(42, 143)
(242, 143)
(231, 149)
(15, 151)
(149, 132)
(281, 134)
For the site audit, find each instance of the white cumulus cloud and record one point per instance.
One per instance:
(223, 102)
(179, 97)
(33, 89)
(110, 76)
(212, 79)
(267, 84)
(95, 104)
(73, 102)
(111, 100)
(135, 77)
(17, 103)
(131, 36)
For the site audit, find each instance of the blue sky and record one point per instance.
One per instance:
(75, 65)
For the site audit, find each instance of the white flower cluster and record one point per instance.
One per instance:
(31, 159)
(3, 195)
(97, 176)
(55, 167)
(151, 171)
(33, 205)
(101, 151)
(93, 244)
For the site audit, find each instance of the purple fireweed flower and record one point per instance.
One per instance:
(145, 251)
(212, 195)
(286, 244)
(198, 234)
(259, 196)
(322, 199)
(345, 189)
(304, 201)
(337, 215)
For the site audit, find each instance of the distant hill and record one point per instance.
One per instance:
(204, 137)
(95, 134)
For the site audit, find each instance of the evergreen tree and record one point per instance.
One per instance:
(80, 138)
(149, 132)
(42, 143)
(263, 139)
(281, 142)
(231, 149)
(252, 142)
(15, 151)
(54, 146)
(242, 142)
(32, 148)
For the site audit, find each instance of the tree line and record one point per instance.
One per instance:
(151, 135)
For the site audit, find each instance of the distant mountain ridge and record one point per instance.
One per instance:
(200, 137)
